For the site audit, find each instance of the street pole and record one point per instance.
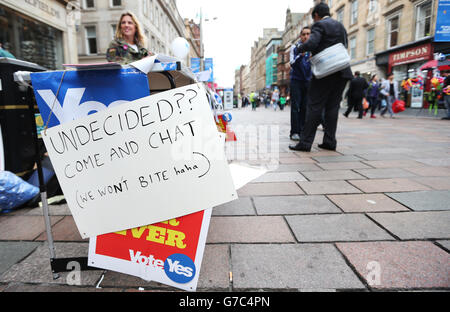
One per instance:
(202, 57)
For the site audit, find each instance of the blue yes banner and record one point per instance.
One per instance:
(442, 33)
(82, 93)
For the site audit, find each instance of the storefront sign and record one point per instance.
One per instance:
(411, 55)
(43, 6)
(443, 22)
(153, 159)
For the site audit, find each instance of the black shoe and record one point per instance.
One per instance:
(327, 147)
(446, 118)
(345, 115)
(299, 148)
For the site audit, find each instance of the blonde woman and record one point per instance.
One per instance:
(128, 44)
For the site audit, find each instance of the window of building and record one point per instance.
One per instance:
(353, 48)
(423, 20)
(354, 12)
(113, 31)
(116, 3)
(370, 41)
(91, 40)
(145, 7)
(393, 30)
(340, 15)
(373, 4)
(89, 4)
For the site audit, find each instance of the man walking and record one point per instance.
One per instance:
(356, 93)
(300, 77)
(389, 89)
(324, 93)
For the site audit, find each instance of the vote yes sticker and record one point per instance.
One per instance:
(179, 268)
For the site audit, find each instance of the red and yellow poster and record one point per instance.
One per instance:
(169, 252)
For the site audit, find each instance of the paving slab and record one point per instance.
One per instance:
(340, 158)
(291, 205)
(297, 160)
(328, 187)
(274, 177)
(375, 156)
(399, 265)
(295, 267)
(64, 231)
(23, 228)
(270, 189)
(332, 175)
(386, 173)
(36, 267)
(366, 203)
(436, 183)
(261, 229)
(404, 163)
(388, 185)
(13, 252)
(424, 201)
(343, 165)
(416, 225)
(240, 207)
(430, 171)
(297, 167)
(53, 210)
(336, 228)
(440, 162)
(445, 244)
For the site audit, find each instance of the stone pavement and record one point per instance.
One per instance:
(374, 215)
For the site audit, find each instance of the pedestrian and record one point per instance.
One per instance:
(389, 89)
(5, 53)
(253, 100)
(356, 92)
(300, 76)
(275, 99)
(282, 102)
(447, 95)
(373, 95)
(324, 94)
(129, 41)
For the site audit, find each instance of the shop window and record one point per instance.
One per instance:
(353, 48)
(91, 39)
(393, 30)
(354, 12)
(370, 41)
(423, 20)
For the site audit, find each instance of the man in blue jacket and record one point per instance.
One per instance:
(300, 77)
(325, 93)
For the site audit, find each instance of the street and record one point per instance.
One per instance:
(374, 215)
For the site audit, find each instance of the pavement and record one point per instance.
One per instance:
(372, 216)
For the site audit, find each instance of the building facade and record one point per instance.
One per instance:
(159, 19)
(40, 31)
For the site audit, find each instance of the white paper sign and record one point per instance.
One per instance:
(140, 163)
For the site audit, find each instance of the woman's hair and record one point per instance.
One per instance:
(139, 37)
(373, 76)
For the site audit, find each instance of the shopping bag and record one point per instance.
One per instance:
(398, 106)
(365, 104)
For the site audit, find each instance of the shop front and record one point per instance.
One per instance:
(405, 63)
(39, 31)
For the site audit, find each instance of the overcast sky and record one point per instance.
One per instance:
(228, 40)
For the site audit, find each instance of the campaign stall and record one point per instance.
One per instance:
(141, 164)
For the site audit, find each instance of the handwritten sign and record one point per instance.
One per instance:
(153, 159)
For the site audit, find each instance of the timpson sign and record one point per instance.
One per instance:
(411, 55)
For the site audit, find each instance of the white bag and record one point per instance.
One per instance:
(330, 61)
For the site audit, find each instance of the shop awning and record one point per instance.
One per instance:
(441, 65)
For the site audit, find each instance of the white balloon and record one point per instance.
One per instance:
(180, 47)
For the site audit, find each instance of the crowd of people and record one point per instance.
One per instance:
(317, 101)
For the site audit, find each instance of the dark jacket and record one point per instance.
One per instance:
(324, 34)
(301, 67)
(358, 87)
